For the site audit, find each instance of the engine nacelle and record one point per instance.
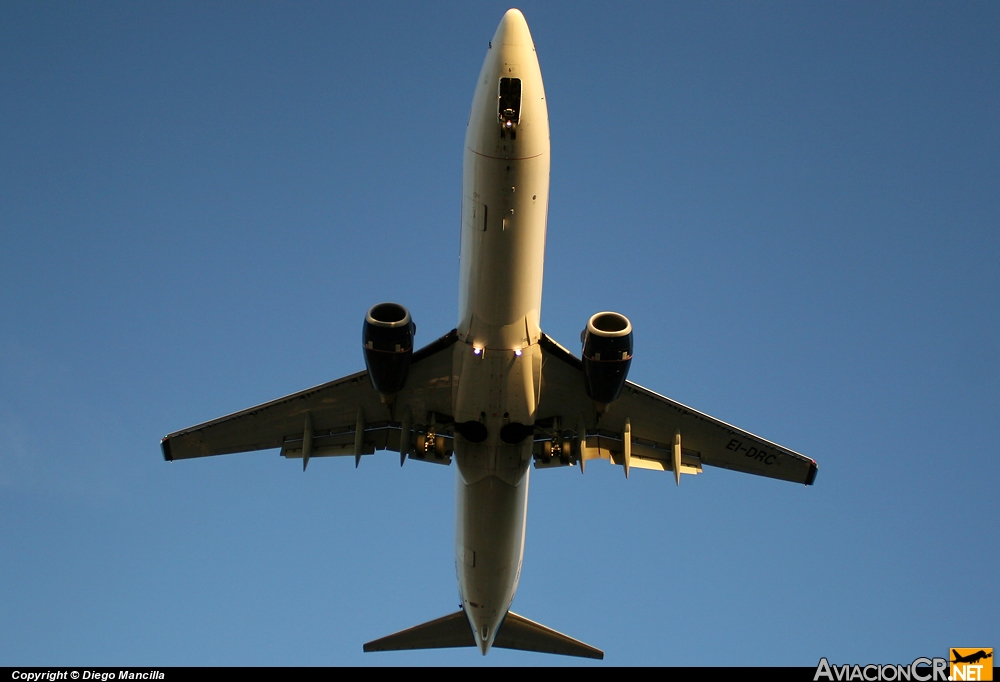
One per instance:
(388, 342)
(607, 354)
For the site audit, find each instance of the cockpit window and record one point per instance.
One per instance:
(509, 107)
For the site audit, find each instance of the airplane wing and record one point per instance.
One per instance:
(646, 430)
(342, 417)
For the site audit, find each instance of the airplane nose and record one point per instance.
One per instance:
(513, 29)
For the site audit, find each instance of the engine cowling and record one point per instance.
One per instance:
(607, 354)
(388, 342)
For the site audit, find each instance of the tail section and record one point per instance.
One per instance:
(516, 632)
(450, 631)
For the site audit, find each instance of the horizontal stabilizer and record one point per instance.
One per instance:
(517, 632)
(450, 631)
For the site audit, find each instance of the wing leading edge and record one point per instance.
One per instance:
(643, 429)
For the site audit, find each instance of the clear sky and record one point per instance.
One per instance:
(797, 205)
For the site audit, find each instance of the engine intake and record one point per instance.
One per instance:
(388, 343)
(607, 354)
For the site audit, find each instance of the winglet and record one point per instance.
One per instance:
(811, 476)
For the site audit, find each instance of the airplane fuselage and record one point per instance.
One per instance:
(483, 387)
(505, 193)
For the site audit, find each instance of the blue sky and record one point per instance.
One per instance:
(796, 204)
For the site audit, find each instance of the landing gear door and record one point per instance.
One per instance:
(509, 105)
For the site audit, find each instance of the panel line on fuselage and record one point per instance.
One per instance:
(506, 158)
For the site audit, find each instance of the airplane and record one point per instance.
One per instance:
(496, 393)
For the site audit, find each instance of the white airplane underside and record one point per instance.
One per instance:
(495, 393)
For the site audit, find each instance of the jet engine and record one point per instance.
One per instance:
(607, 354)
(388, 341)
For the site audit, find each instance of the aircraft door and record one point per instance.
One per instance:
(475, 213)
